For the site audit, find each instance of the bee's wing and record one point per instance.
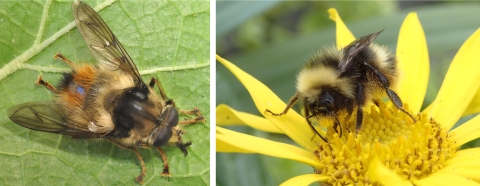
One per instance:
(103, 44)
(50, 117)
(354, 48)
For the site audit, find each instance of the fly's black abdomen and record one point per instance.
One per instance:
(66, 80)
(134, 110)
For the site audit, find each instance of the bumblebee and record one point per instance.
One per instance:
(345, 80)
(108, 101)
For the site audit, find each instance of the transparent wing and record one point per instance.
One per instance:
(354, 48)
(102, 43)
(47, 116)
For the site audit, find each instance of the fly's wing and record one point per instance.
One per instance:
(47, 116)
(353, 49)
(102, 43)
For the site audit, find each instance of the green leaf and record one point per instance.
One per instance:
(168, 40)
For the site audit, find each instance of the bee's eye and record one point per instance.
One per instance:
(328, 100)
(312, 105)
(329, 103)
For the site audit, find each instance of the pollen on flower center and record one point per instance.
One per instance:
(412, 150)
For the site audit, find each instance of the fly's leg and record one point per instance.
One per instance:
(177, 140)
(47, 85)
(195, 111)
(64, 59)
(166, 170)
(153, 82)
(139, 178)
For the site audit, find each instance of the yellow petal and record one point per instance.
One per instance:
(470, 173)
(292, 124)
(464, 164)
(305, 179)
(222, 146)
(466, 132)
(228, 116)
(474, 106)
(344, 36)
(460, 85)
(378, 172)
(446, 179)
(262, 146)
(472, 154)
(413, 63)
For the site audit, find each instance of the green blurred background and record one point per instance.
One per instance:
(272, 40)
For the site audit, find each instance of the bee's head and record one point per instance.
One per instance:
(327, 100)
(321, 87)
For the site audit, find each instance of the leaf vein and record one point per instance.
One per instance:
(142, 72)
(177, 45)
(15, 64)
(41, 28)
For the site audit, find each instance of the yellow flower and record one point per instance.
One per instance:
(390, 149)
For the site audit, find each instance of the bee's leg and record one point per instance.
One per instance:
(337, 124)
(360, 100)
(290, 103)
(348, 129)
(347, 119)
(166, 171)
(152, 83)
(359, 118)
(398, 103)
(47, 85)
(391, 94)
(376, 102)
(315, 130)
(139, 178)
(64, 59)
(308, 116)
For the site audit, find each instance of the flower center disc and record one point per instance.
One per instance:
(412, 150)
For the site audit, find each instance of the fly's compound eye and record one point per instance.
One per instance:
(163, 137)
(166, 132)
(173, 117)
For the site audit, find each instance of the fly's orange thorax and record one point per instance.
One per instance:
(75, 86)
